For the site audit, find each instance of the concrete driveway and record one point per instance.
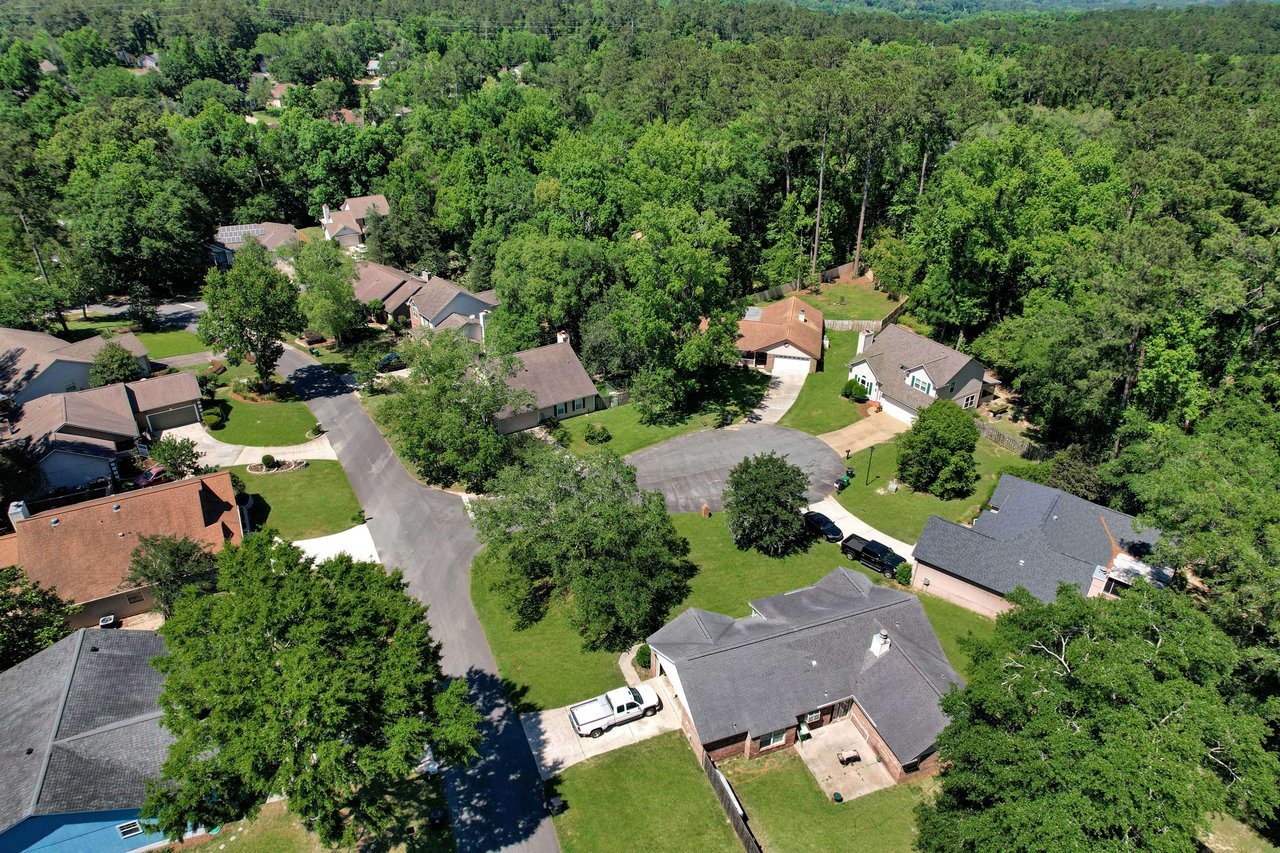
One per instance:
(356, 541)
(850, 523)
(221, 453)
(875, 428)
(556, 745)
(782, 392)
(692, 469)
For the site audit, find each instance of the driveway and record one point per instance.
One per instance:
(875, 428)
(221, 453)
(693, 469)
(556, 745)
(356, 541)
(850, 523)
(782, 392)
(495, 803)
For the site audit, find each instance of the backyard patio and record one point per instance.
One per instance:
(821, 753)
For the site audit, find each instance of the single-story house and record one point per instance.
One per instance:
(843, 647)
(1035, 537)
(33, 364)
(80, 737)
(783, 337)
(76, 437)
(278, 91)
(346, 224)
(558, 383)
(83, 550)
(229, 238)
(904, 372)
(427, 301)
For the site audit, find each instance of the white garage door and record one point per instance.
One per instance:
(790, 364)
(899, 411)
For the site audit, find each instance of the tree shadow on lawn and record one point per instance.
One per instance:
(738, 389)
(316, 381)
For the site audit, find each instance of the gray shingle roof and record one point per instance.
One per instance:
(896, 350)
(552, 374)
(86, 709)
(806, 649)
(1033, 536)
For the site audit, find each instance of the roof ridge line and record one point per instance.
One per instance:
(923, 675)
(137, 718)
(793, 629)
(57, 722)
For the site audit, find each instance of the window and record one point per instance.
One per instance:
(969, 401)
(813, 716)
(579, 405)
(130, 829)
(135, 598)
(773, 739)
(761, 359)
(71, 386)
(560, 409)
(921, 384)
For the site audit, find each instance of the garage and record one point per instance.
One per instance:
(178, 416)
(897, 409)
(790, 364)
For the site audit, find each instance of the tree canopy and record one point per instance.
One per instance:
(763, 501)
(267, 693)
(32, 617)
(112, 364)
(936, 454)
(168, 565)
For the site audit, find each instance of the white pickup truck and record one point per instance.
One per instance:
(596, 716)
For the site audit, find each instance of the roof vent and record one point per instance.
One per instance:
(30, 750)
(93, 648)
(1022, 562)
(53, 522)
(115, 507)
(802, 319)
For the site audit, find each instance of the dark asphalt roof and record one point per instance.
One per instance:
(1033, 536)
(806, 649)
(86, 710)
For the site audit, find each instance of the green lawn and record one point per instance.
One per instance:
(545, 666)
(904, 514)
(848, 301)
(737, 389)
(262, 424)
(820, 408)
(311, 233)
(314, 501)
(1228, 835)
(162, 345)
(650, 796)
(787, 810)
(532, 662)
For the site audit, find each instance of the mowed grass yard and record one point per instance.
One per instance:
(314, 501)
(545, 666)
(787, 810)
(904, 513)
(848, 300)
(649, 796)
(820, 408)
(162, 345)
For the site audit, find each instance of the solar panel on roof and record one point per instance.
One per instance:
(752, 313)
(229, 234)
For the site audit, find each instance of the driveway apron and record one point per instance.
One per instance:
(496, 803)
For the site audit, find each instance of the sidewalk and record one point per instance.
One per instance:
(850, 523)
(223, 454)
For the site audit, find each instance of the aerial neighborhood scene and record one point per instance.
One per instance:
(687, 426)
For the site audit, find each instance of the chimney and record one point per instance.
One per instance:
(18, 511)
(324, 214)
(880, 643)
(483, 325)
(426, 276)
(802, 319)
(562, 337)
(865, 339)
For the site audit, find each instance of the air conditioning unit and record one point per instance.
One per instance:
(108, 621)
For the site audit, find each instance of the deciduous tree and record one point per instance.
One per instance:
(763, 502)
(936, 454)
(326, 273)
(112, 364)
(169, 565)
(178, 455)
(32, 617)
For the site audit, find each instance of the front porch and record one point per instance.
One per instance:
(821, 750)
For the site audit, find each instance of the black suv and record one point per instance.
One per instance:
(872, 554)
(819, 524)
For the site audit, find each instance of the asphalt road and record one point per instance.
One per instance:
(176, 313)
(693, 469)
(497, 802)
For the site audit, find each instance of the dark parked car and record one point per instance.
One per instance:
(819, 524)
(389, 362)
(872, 554)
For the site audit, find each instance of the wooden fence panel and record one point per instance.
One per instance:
(1020, 446)
(729, 803)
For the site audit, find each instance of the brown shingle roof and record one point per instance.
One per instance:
(553, 374)
(782, 323)
(360, 206)
(389, 285)
(162, 392)
(272, 235)
(86, 554)
(338, 221)
(24, 355)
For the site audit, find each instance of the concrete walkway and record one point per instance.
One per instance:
(875, 428)
(782, 393)
(850, 523)
(221, 453)
(191, 359)
(556, 745)
(357, 541)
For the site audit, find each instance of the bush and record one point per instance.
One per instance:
(311, 336)
(855, 391)
(644, 658)
(268, 461)
(597, 434)
(212, 418)
(903, 574)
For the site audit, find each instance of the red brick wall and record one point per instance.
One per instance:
(754, 750)
(728, 748)
(891, 763)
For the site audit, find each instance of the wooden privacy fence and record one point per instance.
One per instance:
(1020, 446)
(729, 802)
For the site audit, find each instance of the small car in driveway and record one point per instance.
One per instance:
(596, 716)
(154, 476)
(389, 362)
(820, 525)
(874, 555)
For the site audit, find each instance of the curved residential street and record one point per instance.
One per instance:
(497, 802)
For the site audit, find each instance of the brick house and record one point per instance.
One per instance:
(784, 337)
(843, 647)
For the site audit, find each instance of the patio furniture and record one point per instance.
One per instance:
(847, 758)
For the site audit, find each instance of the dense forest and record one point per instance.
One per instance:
(1090, 203)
